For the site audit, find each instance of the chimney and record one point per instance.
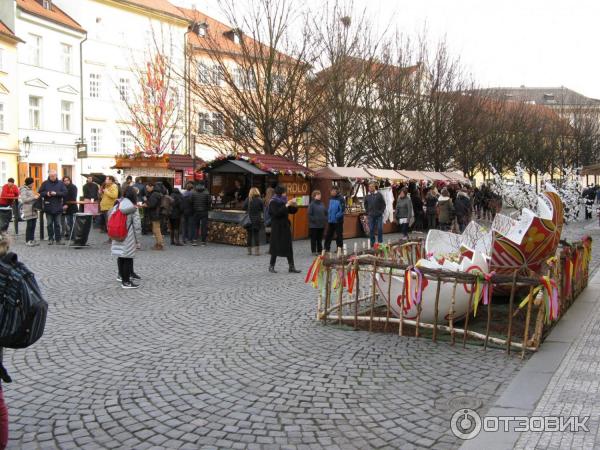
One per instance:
(7, 13)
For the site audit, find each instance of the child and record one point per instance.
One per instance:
(317, 219)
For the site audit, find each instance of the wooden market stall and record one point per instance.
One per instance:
(230, 179)
(184, 167)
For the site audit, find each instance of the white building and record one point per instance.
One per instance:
(121, 33)
(48, 86)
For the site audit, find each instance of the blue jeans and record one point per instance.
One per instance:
(376, 222)
(189, 233)
(30, 230)
(53, 226)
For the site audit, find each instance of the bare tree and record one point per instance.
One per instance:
(249, 80)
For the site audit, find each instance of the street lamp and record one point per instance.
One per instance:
(25, 148)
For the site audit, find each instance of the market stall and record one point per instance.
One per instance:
(230, 178)
(184, 168)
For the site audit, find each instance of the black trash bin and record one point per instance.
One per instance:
(5, 218)
(82, 224)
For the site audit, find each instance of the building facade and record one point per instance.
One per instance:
(9, 131)
(122, 35)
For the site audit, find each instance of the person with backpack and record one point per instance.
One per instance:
(29, 199)
(188, 213)
(53, 191)
(175, 216)
(124, 226)
(200, 206)
(335, 220)
(153, 204)
(109, 195)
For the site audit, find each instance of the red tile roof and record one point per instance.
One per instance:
(182, 162)
(54, 14)
(7, 33)
(160, 6)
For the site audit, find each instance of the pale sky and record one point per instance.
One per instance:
(538, 43)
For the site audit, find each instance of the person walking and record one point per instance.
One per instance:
(8, 198)
(281, 232)
(417, 204)
(335, 220)
(109, 194)
(69, 207)
(175, 216)
(317, 219)
(445, 210)
(375, 207)
(188, 213)
(463, 208)
(28, 198)
(269, 193)
(404, 212)
(153, 201)
(201, 207)
(254, 205)
(125, 250)
(431, 209)
(53, 191)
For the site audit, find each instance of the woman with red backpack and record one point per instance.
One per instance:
(124, 226)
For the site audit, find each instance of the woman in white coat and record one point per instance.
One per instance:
(125, 250)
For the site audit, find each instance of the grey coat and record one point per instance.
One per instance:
(28, 199)
(404, 209)
(127, 248)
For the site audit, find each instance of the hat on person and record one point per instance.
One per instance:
(280, 190)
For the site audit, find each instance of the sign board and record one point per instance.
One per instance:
(178, 179)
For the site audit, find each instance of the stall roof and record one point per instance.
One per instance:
(593, 169)
(415, 175)
(387, 174)
(276, 163)
(237, 166)
(341, 173)
(182, 162)
(456, 176)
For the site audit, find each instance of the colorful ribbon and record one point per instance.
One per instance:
(550, 298)
(414, 291)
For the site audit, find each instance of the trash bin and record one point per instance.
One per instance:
(82, 225)
(5, 218)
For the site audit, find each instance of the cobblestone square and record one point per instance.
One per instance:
(213, 351)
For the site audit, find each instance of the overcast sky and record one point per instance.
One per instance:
(537, 43)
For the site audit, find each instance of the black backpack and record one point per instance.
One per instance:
(23, 309)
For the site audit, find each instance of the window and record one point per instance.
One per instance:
(66, 52)
(65, 114)
(204, 125)
(125, 141)
(203, 74)
(210, 74)
(95, 84)
(2, 117)
(3, 172)
(278, 84)
(35, 113)
(244, 79)
(218, 124)
(124, 89)
(243, 128)
(95, 139)
(35, 49)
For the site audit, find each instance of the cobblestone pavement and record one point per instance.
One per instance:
(214, 351)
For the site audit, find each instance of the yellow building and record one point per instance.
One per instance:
(9, 144)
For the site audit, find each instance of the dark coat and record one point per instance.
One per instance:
(375, 204)
(317, 214)
(177, 205)
(281, 231)
(71, 197)
(201, 201)
(254, 207)
(462, 206)
(53, 204)
(90, 191)
(153, 203)
(188, 211)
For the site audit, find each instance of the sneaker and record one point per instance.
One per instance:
(194, 244)
(119, 278)
(50, 242)
(129, 285)
(30, 244)
(135, 276)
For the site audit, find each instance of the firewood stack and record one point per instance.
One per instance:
(226, 233)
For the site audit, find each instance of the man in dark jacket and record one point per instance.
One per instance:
(375, 207)
(188, 213)
(200, 206)
(153, 200)
(335, 220)
(53, 191)
(69, 207)
(462, 209)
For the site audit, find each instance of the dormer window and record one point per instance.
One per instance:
(235, 35)
(200, 28)
(47, 4)
(549, 98)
